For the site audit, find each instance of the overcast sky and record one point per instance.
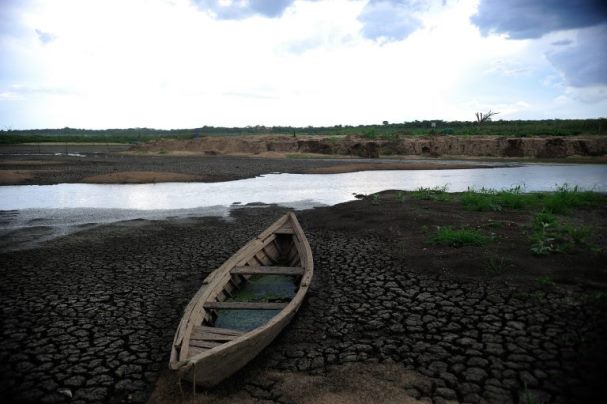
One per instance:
(189, 63)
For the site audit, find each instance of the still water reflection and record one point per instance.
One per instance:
(294, 190)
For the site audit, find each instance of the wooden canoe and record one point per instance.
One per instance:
(206, 353)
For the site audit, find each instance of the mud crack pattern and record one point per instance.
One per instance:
(90, 318)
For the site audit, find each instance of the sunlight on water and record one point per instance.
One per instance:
(293, 190)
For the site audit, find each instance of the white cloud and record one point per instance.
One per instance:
(173, 64)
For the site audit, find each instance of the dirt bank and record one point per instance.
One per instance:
(94, 164)
(476, 146)
(94, 313)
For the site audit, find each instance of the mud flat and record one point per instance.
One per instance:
(92, 315)
(39, 165)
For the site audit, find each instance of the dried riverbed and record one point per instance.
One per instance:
(92, 315)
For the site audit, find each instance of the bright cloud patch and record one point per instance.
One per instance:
(238, 9)
(391, 20)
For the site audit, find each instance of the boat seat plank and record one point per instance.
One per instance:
(245, 305)
(216, 330)
(264, 270)
(285, 230)
(207, 336)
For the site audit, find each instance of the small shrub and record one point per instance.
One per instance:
(400, 196)
(543, 218)
(458, 238)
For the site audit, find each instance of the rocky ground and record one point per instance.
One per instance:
(90, 317)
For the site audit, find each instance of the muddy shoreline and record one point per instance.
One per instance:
(93, 314)
(110, 164)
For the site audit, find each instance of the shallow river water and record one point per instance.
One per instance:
(294, 190)
(33, 213)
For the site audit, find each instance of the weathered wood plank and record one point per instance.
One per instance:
(216, 330)
(285, 230)
(196, 350)
(209, 336)
(204, 344)
(244, 305)
(255, 270)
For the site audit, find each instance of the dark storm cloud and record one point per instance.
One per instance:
(522, 19)
(562, 42)
(585, 64)
(238, 10)
(392, 20)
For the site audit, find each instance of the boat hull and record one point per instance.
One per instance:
(197, 355)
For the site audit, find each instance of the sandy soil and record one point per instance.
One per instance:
(351, 383)
(142, 177)
(15, 177)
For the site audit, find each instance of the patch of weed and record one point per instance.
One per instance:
(375, 199)
(400, 196)
(431, 194)
(487, 199)
(496, 264)
(458, 238)
(549, 236)
(565, 198)
(546, 280)
(543, 218)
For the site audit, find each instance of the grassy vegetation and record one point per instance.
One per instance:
(457, 238)
(494, 200)
(431, 194)
(561, 201)
(549, 236)
(553, 127)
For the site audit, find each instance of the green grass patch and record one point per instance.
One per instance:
(549, 236)
(457, 238)
(431, 194)
(567, 197)
(561, 201)
(492, 200)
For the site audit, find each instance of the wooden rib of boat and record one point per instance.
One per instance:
(206, 353)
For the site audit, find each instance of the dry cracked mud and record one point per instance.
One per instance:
(90, 318)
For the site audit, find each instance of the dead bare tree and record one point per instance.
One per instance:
(480, 117)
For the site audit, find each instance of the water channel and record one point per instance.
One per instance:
(58, 209)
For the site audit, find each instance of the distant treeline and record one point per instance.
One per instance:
(552, 127)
